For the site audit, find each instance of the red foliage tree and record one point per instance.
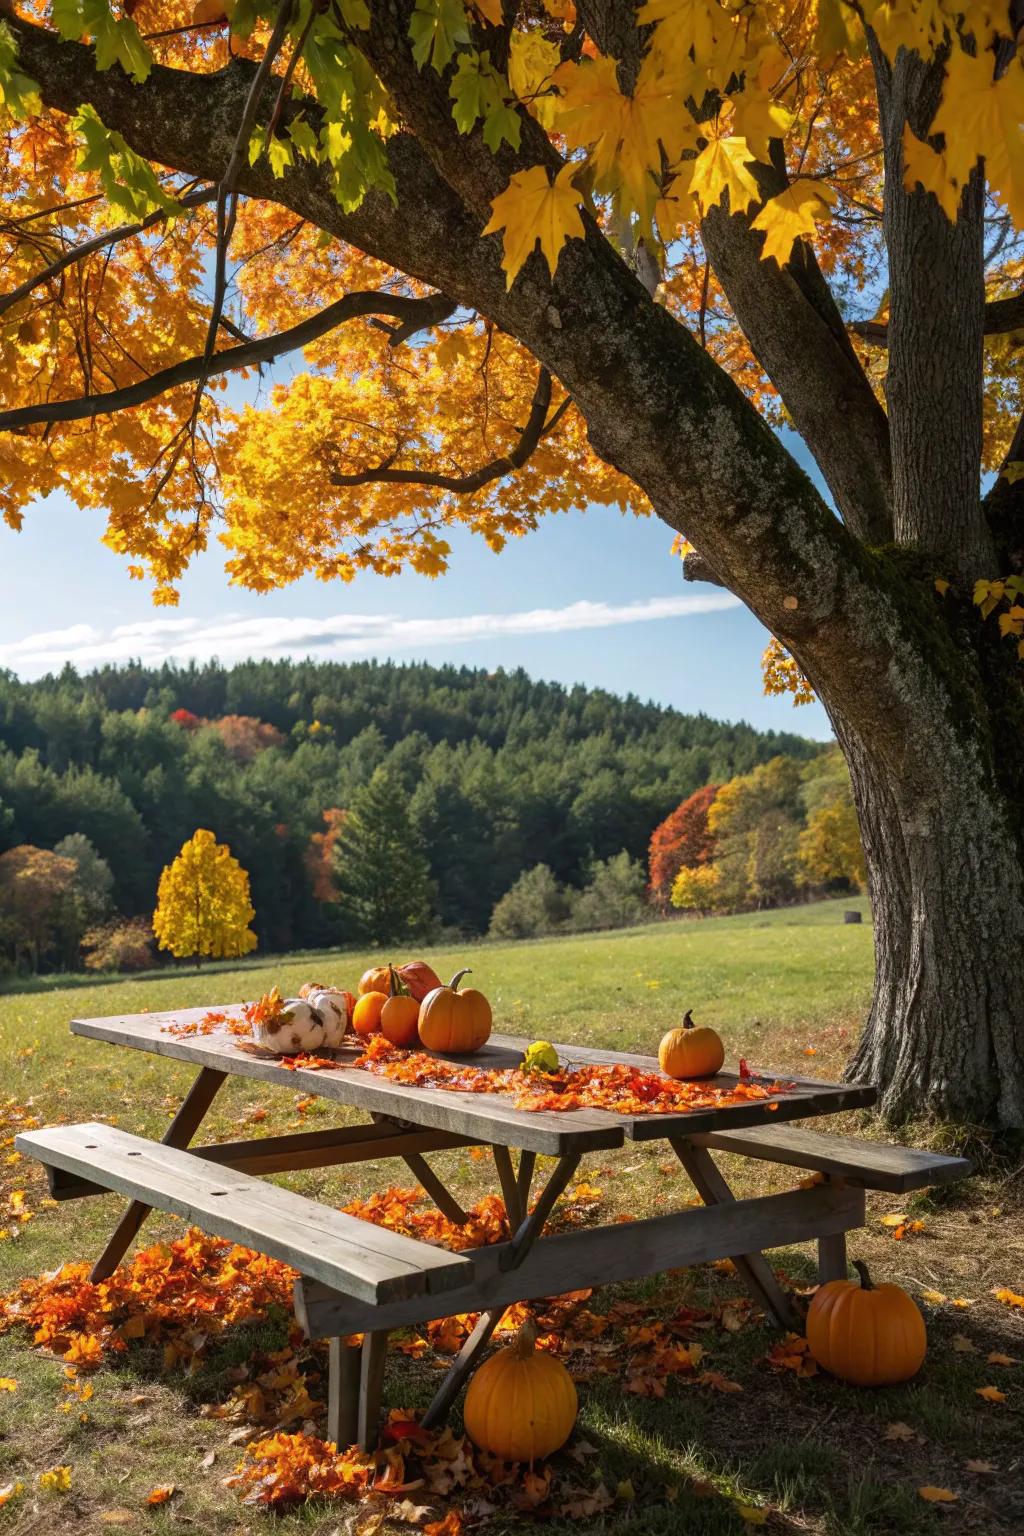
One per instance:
(186, 719)
(320, 855)
(681, 841)
(245, 736)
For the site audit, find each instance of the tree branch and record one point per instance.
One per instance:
(537, 427)
(428, 311)
(1001, 316)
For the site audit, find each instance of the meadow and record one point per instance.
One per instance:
(786, 989)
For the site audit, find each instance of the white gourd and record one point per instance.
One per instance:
(297, 1028)
(332, 1006)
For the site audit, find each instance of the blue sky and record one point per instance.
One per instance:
(640, 628)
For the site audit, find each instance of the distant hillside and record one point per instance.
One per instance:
(502, 773)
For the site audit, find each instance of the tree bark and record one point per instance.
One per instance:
(944, 1036)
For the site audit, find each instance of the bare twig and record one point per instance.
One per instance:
(1001, 315)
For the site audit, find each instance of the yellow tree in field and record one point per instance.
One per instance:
(203, 905)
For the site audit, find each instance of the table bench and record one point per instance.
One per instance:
(354, 1277)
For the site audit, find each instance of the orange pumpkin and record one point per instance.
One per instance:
(367, 1011)
(456, 1023)
(869, 1335)
(400, 1014)
(376, 979)
(521, 1404)
(692, 1051)
(417, 975)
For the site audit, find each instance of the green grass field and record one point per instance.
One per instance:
(786, 989)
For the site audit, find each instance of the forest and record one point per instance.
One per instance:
(496, 773)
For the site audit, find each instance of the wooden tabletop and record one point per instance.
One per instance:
(490, 1117)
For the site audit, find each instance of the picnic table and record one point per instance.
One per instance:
(356, 1278)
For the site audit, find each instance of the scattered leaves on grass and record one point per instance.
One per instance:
(161, 1493)
(116, 1517)
(900, 1431)
(10, 1491)
(1007, 1297)
(8, 1384)
(792, 1354)
(56, 1480)
(935, 1495)
(962, 1344)
(990, 1394)
(980, 1466)
(995, 1358)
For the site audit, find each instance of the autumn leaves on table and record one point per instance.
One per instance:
(399, 1008)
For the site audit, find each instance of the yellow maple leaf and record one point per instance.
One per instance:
(990, 1394)
(759, 117)
(980, 116)
(8, 1384)
(490, 10)
(720, 168)
(531, 67)
(935, 1495)
(793, 215)
(927, 168)
(532, 208)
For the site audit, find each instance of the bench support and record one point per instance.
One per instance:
(178, 1134)
(832, 1263)
(753, 1268)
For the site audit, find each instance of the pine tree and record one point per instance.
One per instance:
(384, 886)
(203, 905)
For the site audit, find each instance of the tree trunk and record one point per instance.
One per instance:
(945, 1035)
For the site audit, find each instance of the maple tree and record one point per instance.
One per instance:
(544, 255)
(681, 841)
(203, 905)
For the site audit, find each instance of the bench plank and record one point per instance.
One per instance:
(876, 1164)
(601, 1256)
(368, 1262)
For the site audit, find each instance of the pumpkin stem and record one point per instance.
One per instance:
(526, 1339)
(688, 1020)
(453, 985)
(398, 986)
(866, 1283)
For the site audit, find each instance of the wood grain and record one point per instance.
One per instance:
(875, 1164)
(482, 1117)
(361, 1259)
(601, 1256)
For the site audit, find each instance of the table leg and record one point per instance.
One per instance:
(526, 1234)
(753, 1268)
(832, 1257)
(524, 1178)
(178, 1134)
(438, 1192)
(509, 1187)
(343, 1372)
(371, 1389)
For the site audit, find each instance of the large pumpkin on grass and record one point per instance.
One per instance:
(521, 1404)
(869, 1335)
(692, 1051)
(453, 1022)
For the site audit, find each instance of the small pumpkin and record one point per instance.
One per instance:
(367, 1011)
(695, 1050)
(453, 1022)
(869, 1335)
(521, 1404)
(400, 1015)
(416, 974)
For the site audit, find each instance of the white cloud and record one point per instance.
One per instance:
(337, 637)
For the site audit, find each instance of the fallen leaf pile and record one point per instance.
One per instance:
(17, 1191)
(180, 1296)
(622, 1089)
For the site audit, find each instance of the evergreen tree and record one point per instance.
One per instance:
(384, 888)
